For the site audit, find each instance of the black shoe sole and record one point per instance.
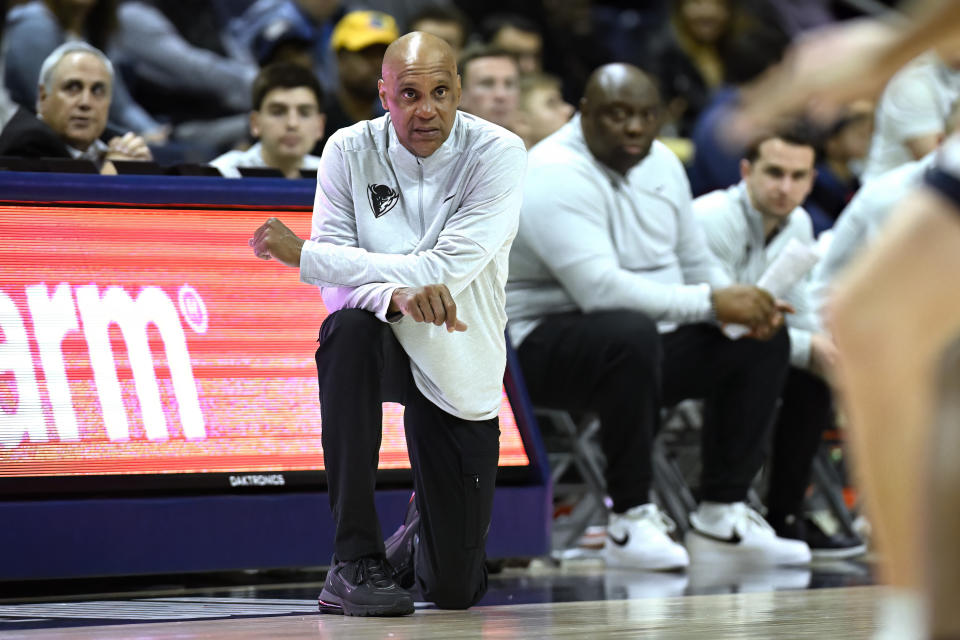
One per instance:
(331, 604)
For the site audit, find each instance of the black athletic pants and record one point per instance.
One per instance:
(616, 364)
(360, 364)
(807, 411)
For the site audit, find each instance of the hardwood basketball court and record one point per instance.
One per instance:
(578, 600)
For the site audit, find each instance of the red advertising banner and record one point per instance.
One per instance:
(148, 340)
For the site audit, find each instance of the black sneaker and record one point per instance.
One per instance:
(363, 587)
(838, 546)
(400, 546)
(823, 546)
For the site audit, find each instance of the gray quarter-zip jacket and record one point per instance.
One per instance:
(384, 218)
(591, 239)
(734, 230)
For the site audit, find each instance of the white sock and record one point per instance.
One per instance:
(713, 512)
(901, 615)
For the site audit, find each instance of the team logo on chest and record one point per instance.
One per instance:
(381, 198)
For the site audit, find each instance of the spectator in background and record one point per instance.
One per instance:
(446, 22)
(403, 11)
(541, 109)
(697, 54)
(716, 160)
(864, 217)
(747, 227)
(287, 118)
(75, 83)
(36, 28)
(518, 36)
(913, 110)
(359, 41)
(573, 45)
(7, 106)
(489, 78)
(176, 62)
(314, 18)
(843, 149)
(284, 42)
(172, 75)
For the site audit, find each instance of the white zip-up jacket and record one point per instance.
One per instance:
(384, 218)
(734, 230)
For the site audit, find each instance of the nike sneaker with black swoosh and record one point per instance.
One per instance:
(734, 531)
(640, 539)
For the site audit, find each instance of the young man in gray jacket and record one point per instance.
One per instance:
(414, 216)
(613, 297)
(747, 226)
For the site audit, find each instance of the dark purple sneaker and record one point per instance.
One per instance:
(363, 587)
(400, 546)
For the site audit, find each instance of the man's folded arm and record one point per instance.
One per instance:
(472, 236)
(570, 234)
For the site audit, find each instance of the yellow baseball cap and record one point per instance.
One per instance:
(360, 29)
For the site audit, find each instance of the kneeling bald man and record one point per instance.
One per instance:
(414, 216)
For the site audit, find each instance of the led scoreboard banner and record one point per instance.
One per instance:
(145, 346)
(158, 387)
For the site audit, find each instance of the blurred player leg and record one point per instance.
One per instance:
(895, 312)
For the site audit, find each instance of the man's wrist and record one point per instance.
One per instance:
(712, 314)
(393, 307)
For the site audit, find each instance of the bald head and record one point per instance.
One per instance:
(421, 90)
(620, 115)
(610, 79)
(417, 50)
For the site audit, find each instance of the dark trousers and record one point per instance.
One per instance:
(360, 365)
(806, 412)
(616, 364)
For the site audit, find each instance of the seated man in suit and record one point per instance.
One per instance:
(72, 104)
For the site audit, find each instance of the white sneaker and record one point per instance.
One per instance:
(638, 539)
(724, 532)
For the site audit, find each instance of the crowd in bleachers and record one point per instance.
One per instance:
(184, 73)
(255, 88)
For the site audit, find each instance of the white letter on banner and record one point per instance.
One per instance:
(151, 306)
(27, 416)
(53, 318)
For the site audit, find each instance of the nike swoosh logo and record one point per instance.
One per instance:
(620, 542)
(733, 539)
(450, 197)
